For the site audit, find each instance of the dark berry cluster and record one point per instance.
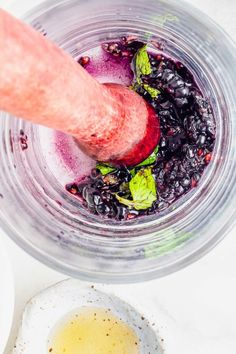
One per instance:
(98, 193)
(186, 144)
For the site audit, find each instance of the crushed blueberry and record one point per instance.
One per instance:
(23, 140)
(185, 148)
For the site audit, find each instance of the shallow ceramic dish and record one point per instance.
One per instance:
(48, 308)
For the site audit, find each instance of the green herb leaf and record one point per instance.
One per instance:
(142, 205)
(153, 92)
(143, 187)
(104, 168)
(151, 159)
(143, 190)
(142, 64)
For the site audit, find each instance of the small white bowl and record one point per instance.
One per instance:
(48, 308)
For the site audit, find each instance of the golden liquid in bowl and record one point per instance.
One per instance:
(94, 331)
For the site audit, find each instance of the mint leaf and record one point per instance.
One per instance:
(153, 92)
(151, 159)
(104, 168)
(143, 190)
(142, 64)
(143, 187)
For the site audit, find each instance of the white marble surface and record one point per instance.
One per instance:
(194, 309)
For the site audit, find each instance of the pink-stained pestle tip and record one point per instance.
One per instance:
(42, 83)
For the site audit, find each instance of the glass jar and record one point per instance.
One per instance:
(43, 219)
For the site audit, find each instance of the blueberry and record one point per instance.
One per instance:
(201, 139)
(121, 212)
(85, 191)
(166, 105)
(97, 199)
(176, 82)
(180, 102)
(170, 198)
(88, 195)
(179, 191)
(163, 142)
(124, 175)
(185, 182)
(189, 151)
(175, 183)
(99, 183)
(162, 206)
(196, 176)
(106, 196)
(103, 209)
(168, 75)
(182, 92)
(210, 131)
